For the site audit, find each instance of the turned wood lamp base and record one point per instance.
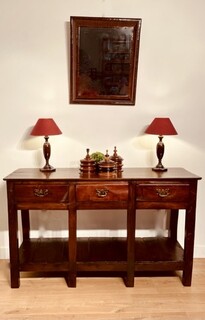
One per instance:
(160, 152)
(47, 153)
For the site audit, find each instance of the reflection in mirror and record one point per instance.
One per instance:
(104, 58)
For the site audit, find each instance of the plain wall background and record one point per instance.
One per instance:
(34, 83)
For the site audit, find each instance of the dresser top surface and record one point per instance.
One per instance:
(127, 174)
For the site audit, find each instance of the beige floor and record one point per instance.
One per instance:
(158, 298)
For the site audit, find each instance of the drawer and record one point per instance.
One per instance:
(102, 192)
(162, 192)
(41, 193)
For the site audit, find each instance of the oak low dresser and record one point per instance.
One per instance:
(132, 189)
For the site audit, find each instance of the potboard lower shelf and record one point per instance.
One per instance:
(100, 254)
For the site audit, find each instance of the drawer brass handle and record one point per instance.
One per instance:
(102, 193)
(163, 192)
(40, 192)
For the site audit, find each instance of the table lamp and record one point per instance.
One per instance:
(46, 127)
(161, 127)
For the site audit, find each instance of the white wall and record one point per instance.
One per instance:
(34, 82)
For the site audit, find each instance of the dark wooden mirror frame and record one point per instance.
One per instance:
(104, 60)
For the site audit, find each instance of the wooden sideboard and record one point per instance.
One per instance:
(132, 189)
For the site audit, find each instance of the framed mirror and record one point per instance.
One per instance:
(104, 60)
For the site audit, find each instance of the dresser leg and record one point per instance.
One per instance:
(173, 224)
(72, 240)
(71, 280)
(15, 277)
(13, 248)
(25, 224)
(189, 241)
(129, 281)
(187, 275)
(131, 218)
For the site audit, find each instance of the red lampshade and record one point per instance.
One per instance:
(45, 127)
(161, 126)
